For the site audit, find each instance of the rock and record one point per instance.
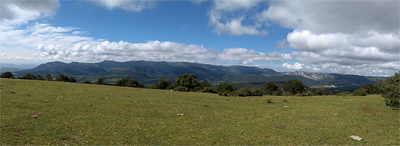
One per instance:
(181, 114)
(279, 126)
(47, 100)
(89, 104)
(336, 114)
(39, 113)
(27, 94)
(227, 100)
(33, 116)
(13, 93)
(205, 105)
(285, 106)
(356, 137)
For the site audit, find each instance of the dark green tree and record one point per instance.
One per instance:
(270, 87)
(224, 88)
(294, 86)
(72, 79)
(378, 87)
(39, 77)
(205, 84)
(100, 81)
(63, 78)
(28, 76)
(86, 82)
(391, 90)
(128, 82)
(187, 80)
(322, 91)
(162, 83)
(7, 74)
(48, 77)
(367, 87)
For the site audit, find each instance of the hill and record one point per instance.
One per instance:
(82, 114)
(149, 72)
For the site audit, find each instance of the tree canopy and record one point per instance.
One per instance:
(294, 86)
(391, 90)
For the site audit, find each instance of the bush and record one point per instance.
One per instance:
(294, 86)
(285, 100)
(209, 90)
(271, 87)
(391, 90)
(181, 88)
(359, 93)
(86, 82)
(72, 79)
(7, 74)
(269, 100)
(195, 89)
(344, 93)
(224, 87)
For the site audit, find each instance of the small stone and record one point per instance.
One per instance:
(205, 105)
(336, 114)
(13, 93)
(285, 106)
(181, 114)
(33, 116)
(356, 137)
(47, 100)
(227, 100)
(89, 104)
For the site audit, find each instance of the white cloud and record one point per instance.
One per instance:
(296, 66)
(128, 5)
(239, 54)
(17, 11)
(232, 25)
(356, 37)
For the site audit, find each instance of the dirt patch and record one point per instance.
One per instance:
(279, 126)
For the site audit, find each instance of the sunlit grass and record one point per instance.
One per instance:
(121, 115)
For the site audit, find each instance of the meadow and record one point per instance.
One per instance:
(87, 114)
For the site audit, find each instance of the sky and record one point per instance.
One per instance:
(334, 36)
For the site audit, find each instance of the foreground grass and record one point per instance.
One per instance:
(121, 115)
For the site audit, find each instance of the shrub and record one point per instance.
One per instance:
(391, 90)
(195, 89)
(181, 88)
(269, 100)
(72, 79)
(224, 87)
(344, 93)
(209, 90)
(100, 81)
(285, 100)
(359, 93)
(271, 87)
(7, 74)
(294, 86)
(86, 82)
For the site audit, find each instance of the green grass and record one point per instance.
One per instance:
(144, 116)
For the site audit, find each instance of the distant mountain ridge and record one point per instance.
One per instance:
(314, 76)
(149, 72)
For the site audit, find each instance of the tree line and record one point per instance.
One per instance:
(389, 88)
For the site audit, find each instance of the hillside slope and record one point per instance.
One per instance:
(149, 72)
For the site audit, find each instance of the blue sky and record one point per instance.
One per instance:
(316, 36)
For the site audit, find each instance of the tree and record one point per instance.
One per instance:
(100, 81)
(378, 87)
(49, 78)
(391, 90)
(162, 83)
(367, 87)
(62, 78)
(72, 79)
(28, 76)
(294, 86)
(187, 80)
(39, 77)
(224, 88)
(270, 87)
(359, 93)
(205, 84)
(128, 82)
(7, 74)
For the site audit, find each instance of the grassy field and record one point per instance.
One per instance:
(95, 114)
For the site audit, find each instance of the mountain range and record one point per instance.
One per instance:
(149, 72)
